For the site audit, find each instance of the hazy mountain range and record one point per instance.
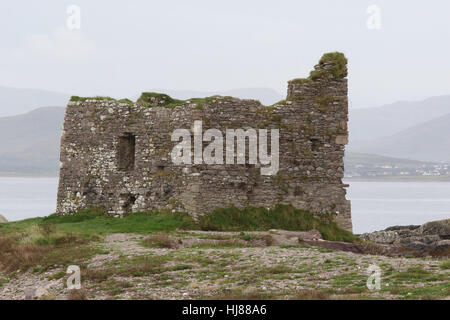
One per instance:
(29, 143)
(387, 120)
(412, 130)
(428, 141)
(14, 101)
(30, 136)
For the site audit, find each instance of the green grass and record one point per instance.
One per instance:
(351, 279)
(412, 274)
(427, 291)
(148, 99)
(445, 265)
(93, 222)
(338, 68)
(142, 223)
(282, 217)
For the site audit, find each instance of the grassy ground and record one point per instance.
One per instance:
(282, 217)
(151, 256)
(94, 222)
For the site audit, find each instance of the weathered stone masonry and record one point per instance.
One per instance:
(116, 154)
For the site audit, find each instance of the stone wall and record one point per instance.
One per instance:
(312, 124)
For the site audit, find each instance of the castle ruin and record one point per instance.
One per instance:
(116, 154)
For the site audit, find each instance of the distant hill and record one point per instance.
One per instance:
(428, 141)
(377, 122)
(30, 142)
(412, 130)
(14, 101)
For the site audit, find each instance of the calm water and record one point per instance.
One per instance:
(375, 205)
(378, 205)
(22, 198)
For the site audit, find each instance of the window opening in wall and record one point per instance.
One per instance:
(126, 152)
(315, 144)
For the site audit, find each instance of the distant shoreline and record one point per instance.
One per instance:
(353, 179)
(401, 179)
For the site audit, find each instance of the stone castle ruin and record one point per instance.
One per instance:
(116, 154)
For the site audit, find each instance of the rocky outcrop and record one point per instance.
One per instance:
(433, 235)
(3, 219)
(440, 228)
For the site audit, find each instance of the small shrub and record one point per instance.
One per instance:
(445, 265)
(220, 244)
(308, 294)
(239, 294)
(161, 240)
(77, 294)
(278, 270)
(96, 274)
(39, 256)
(245, 236)
(268, 239)
(47, 228)
(139, 266)
(15, 256)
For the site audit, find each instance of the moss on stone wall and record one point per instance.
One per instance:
(82, 99)
(300, 81)
(155, 99)
(333, 65)
(322, 103)
(125, 100)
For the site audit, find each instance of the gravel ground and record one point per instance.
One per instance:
(226, 265)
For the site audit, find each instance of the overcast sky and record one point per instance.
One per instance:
(125, 47)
